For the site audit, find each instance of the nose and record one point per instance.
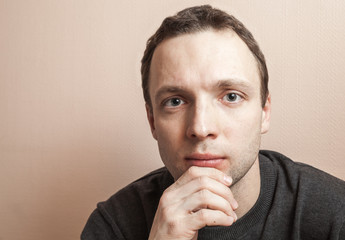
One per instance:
(202, 122)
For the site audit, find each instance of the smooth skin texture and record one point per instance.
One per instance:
(207, 118)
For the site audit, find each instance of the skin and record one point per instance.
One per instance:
(207, 118)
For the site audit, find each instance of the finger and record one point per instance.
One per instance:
(206, 199)
(199, 178)
(195, 172)
(206, 183)
(195, 236)
(207, 217)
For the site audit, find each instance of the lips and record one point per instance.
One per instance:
(205, 160)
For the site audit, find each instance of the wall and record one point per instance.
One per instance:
(72, 124)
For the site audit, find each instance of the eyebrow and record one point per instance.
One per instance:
(234, 82)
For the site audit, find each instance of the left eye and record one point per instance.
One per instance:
(232, 97)
(174, 102)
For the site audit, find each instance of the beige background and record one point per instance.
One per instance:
(72, 124)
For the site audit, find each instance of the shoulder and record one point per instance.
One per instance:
(150, 186)
(130, 211)
(314, 199)
(156, 180)
(303, 175)
(140, 194)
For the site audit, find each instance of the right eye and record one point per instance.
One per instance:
(174, 102)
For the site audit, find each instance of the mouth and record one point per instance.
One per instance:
(205, 160)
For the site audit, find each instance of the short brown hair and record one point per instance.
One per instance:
(197, 19)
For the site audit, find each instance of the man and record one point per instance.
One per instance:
(205, 85)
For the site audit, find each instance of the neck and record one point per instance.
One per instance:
(247, 190)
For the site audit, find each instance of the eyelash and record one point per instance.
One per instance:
(238, 97)
(168, 102)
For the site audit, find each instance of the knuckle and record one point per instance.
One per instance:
(165, 198)
(166, 214)
(203, 181)
(202, 215)
(171, 227)
(175, 229)
(204, 194)
(193, 171)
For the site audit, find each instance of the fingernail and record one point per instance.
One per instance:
(231, 220)
(235, 217)
(235, 204)
(227, 179)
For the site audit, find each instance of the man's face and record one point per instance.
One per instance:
(206, 105)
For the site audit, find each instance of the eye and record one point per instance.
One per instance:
(173, 102)
(232, 97)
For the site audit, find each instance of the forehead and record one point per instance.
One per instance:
(201, 58)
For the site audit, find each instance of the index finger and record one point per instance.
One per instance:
(196, 172)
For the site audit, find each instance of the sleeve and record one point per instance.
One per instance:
(97, 228)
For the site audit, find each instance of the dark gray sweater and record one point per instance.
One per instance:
(296, 201)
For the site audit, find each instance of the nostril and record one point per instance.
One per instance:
(201, 124)
(201, 134)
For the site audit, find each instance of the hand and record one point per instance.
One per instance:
(200, 197)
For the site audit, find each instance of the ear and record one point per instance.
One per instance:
(266, 115)
(150, 118)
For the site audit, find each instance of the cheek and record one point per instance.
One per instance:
(170, 143)
(243, 126)
(169, 130)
